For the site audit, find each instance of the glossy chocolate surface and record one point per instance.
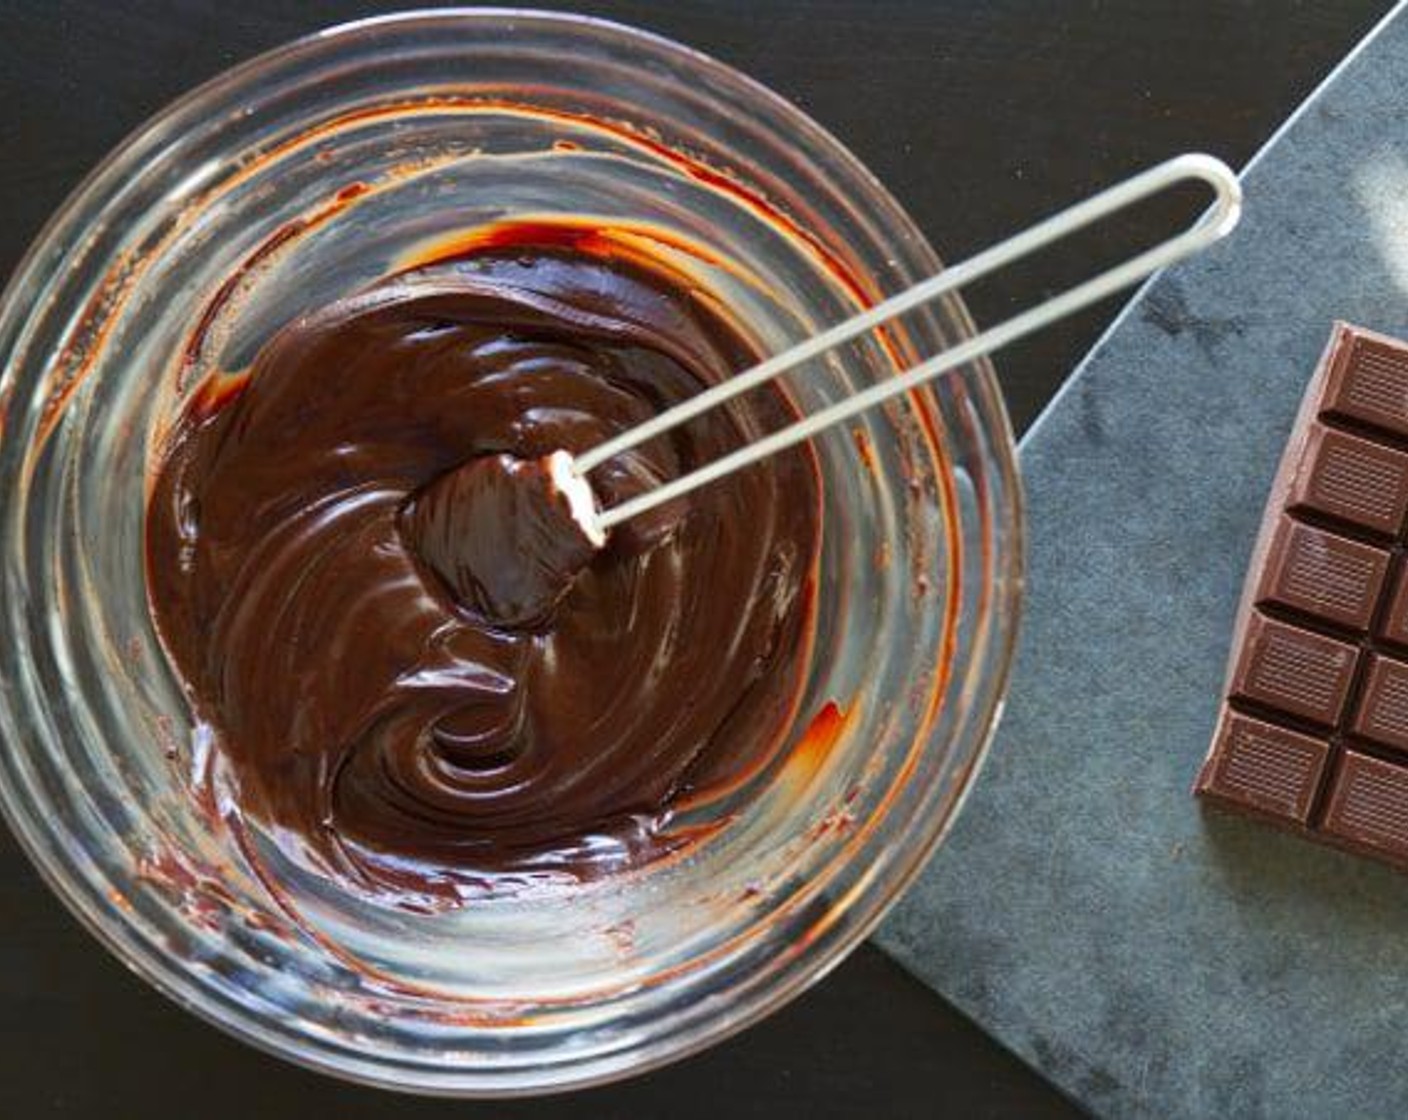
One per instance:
(418, 744)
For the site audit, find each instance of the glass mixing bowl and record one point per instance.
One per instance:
(301, 176)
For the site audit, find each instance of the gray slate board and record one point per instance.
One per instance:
(1151, 957)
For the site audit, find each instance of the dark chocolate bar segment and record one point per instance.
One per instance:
(1313, 733)
(1294, 670)
(1369, 383)
(1382, 713)
(1323, 574)
(1353, 479)
(1393, 624)
(1368, 805)
(1264, 768)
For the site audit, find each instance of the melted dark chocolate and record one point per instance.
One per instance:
(501, 536)
(416, 742)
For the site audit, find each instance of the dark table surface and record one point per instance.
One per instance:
(980, 117)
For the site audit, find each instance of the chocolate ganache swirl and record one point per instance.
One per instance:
(411, 746)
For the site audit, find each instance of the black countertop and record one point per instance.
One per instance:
(980, 117)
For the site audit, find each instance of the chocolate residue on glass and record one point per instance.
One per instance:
(416, 746)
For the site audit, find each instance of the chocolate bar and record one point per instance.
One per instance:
(1313, 733)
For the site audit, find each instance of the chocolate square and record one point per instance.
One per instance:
(1294, 670)
(1382, 712)
(1369, 382)
(1258, 766)
(1368, 805)
(1352, 479)
(1323, 574)
(1393, 624)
